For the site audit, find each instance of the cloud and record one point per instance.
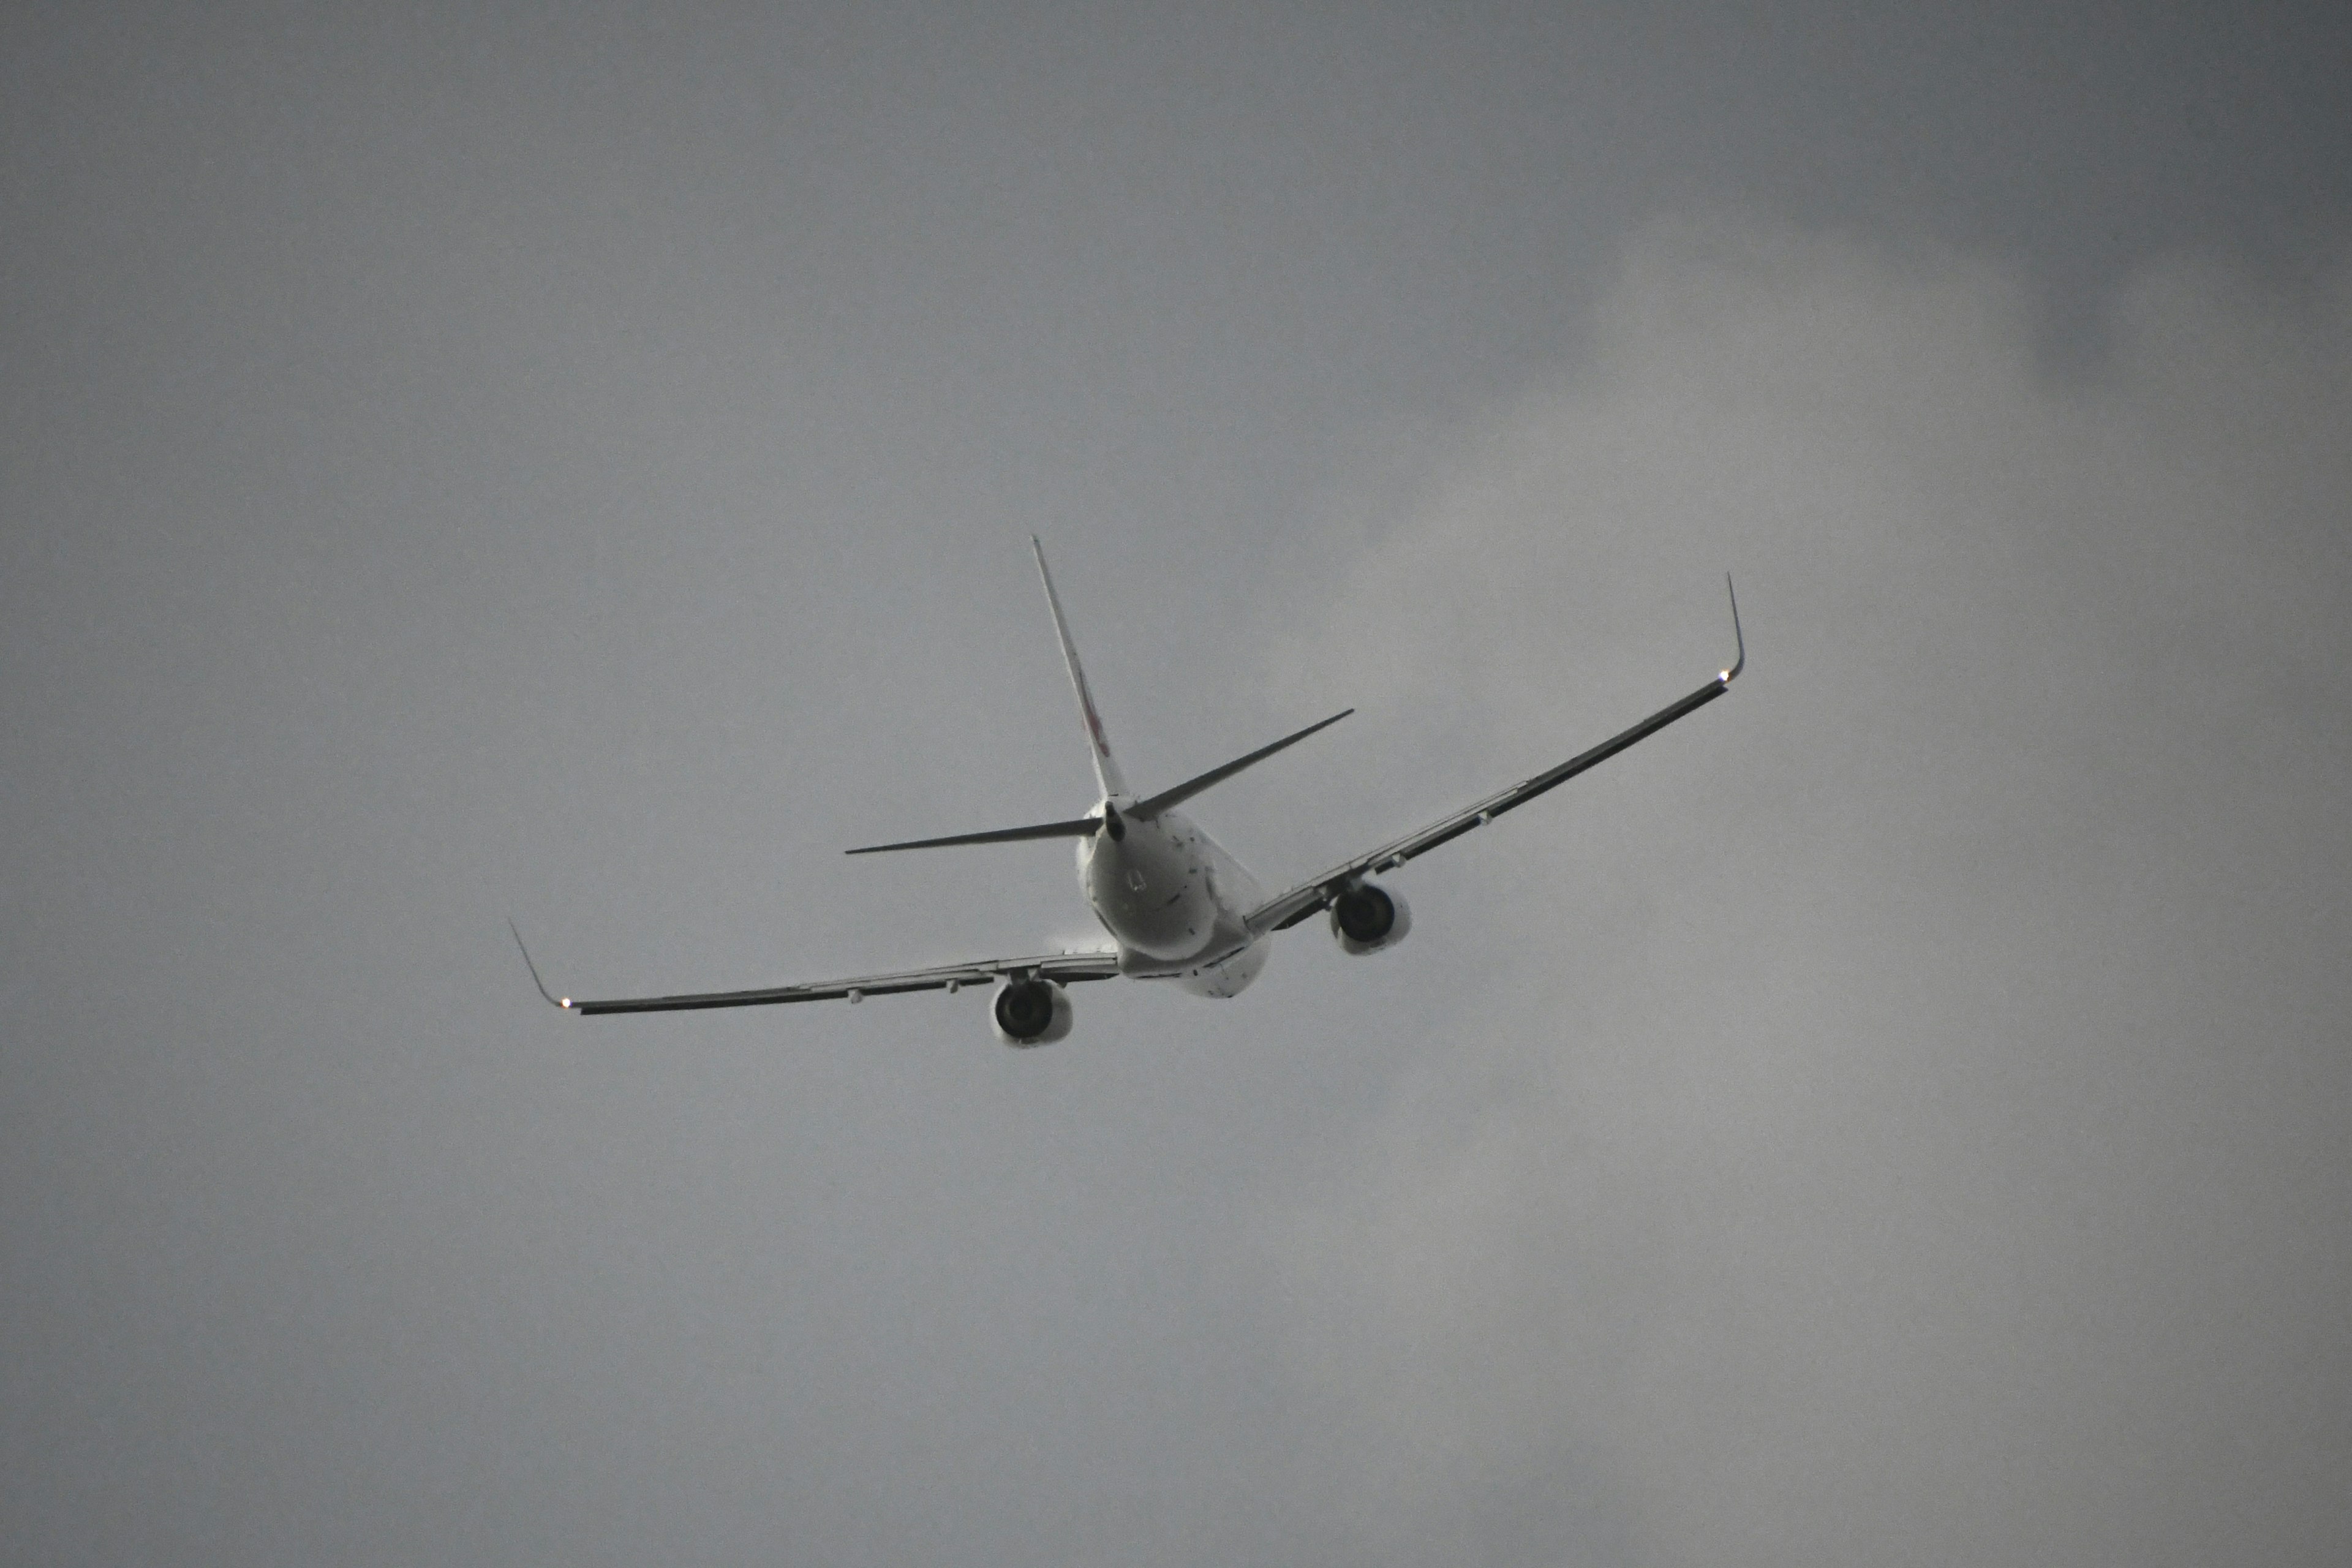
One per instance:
(1897, 1115)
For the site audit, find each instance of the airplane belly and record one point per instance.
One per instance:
(1153, 891)
(1228, 977)
(1164, 920)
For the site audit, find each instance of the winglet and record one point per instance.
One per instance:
(1740, 663)
(1106, 771)
(552, 1000)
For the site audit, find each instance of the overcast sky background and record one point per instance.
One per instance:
(576, 463)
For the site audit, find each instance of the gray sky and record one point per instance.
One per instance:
(577, 465)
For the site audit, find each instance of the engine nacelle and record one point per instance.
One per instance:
(1031, 1012)
(1368, 919)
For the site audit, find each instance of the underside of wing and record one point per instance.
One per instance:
(1065, 967)
(1289, 909)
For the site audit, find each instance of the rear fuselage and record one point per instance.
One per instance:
(1173, 899)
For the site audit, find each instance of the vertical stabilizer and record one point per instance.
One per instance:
(1098, 745)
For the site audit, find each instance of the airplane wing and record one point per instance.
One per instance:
(1066, 967)
(1304, 899)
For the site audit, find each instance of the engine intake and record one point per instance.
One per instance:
(1366, 919)
(1031, 1012)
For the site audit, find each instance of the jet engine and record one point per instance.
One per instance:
(1031, 1012)
(1367, 919)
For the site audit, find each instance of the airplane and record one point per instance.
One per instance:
(1177, 905)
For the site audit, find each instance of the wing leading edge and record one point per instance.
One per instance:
(1303, 900)
(1066, 967)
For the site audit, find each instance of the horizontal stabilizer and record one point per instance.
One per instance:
(1191, 787)
(1078, 827)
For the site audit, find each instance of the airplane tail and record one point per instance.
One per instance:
(1106, 772)
(1114, 787)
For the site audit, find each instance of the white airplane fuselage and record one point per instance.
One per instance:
(1173, 899)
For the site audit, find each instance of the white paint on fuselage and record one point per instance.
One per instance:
(1175, 902)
